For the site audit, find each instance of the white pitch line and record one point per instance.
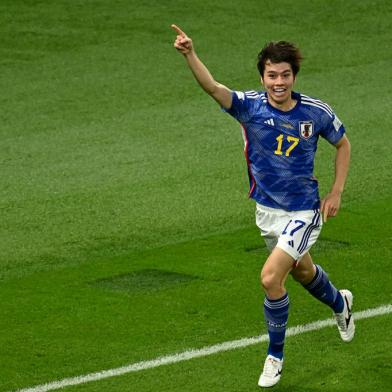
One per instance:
(196, 353)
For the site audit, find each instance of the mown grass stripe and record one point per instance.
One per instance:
(196, 353)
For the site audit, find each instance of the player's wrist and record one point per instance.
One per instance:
(190, 53)
(337, 191)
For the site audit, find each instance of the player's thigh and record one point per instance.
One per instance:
(300, 233)
(271, 222)
(277, 267)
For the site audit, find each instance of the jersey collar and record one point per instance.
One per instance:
(294, 95)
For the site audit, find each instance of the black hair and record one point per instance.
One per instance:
(278, 52)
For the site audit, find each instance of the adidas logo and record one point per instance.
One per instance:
(270, 122)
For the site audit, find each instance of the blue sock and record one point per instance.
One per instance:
(276, 313)
(322, 289)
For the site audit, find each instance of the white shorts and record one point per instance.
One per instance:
(293, 231)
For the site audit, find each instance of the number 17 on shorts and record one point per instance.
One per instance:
(293, 231)
(300, 233)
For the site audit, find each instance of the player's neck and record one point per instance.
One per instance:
(283, 106)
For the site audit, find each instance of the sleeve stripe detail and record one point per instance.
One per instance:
(320, 107)
(330, 114)
(251, 92)
(254, 95)
(310, 99)
(316, 102)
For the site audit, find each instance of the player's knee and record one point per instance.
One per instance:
(269, 282)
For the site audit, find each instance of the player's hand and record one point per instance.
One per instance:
(330, 205)
(182, 43)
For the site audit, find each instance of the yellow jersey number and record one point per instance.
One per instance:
(293, 143)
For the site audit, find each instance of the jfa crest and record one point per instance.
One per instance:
(306, 129)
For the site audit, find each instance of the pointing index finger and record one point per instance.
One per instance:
(178, 30)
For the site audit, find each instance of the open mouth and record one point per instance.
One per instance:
(279, 91)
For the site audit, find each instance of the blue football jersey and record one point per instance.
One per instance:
(280, 147)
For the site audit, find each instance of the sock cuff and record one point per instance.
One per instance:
(277, 303)
(317, 278)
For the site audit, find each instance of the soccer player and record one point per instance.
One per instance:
(281, 129)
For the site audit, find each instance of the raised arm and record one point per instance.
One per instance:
(218, 91)
(331, 203)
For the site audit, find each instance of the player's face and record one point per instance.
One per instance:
(278, 79)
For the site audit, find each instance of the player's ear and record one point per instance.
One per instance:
(261, 81)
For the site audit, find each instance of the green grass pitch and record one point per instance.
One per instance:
(126, 232)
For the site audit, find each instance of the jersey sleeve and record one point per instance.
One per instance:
(333, 129)
(243, 105)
